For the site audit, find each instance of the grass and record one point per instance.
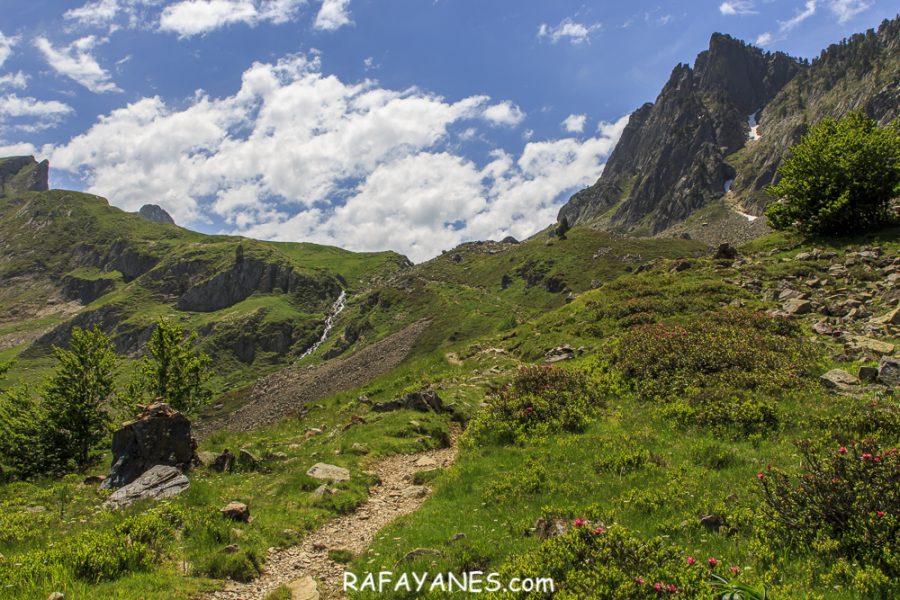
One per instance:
(638, 463)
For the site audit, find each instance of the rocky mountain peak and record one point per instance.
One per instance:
(19, 174)
(156, 213)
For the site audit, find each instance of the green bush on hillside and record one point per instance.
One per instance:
(592, 561)
(719, 370)
(844, 501)
(839, 178)
(540, 400)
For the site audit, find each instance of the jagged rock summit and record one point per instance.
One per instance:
(719, 130)
(19, 174)
(156, 213)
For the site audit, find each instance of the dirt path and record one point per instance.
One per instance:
(395, 496)
(285, 392)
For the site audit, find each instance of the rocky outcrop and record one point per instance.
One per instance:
(156, 483)
(85, 290)
(20, 174)
(670, 160)
(160, 436)
(719, 130)
(249, 275)
(156, 213)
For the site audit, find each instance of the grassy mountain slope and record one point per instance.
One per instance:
(668, 440)
(69, 258)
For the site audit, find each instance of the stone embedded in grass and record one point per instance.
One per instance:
(867, 344)
(162, 481)
(247, 460)
(422, 401)
(329, 472)
(414, 491)
(224, 462)
(889, 372)
(797, 306)
(323, 490)
(236, 511)
(891, 318)
(838, 378)
(358, 448)
(868, 374)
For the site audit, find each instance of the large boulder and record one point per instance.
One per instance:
(160, 436)
(889, 372)
(157, 483)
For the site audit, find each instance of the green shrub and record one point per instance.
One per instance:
(540, 400)
(592, 562)
(878, 419)
(839, 178)
(844, 499)
(531, 478)
(720, 370)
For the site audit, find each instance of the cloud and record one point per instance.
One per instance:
(737, 7)
(847, 9)
(333, 15)
(809, 9)
(295, 154)
(19, 149)
(76, 62)
(31, 114)
(95, 14)
(574, 123)
(14, 80)
(6, 46)
(195, 17)
(504, 113)
(568, 30)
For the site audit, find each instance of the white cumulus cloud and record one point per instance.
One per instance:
(195, 17)
(30, 114)
(97, 13)
(6, 46)
(296, 154)
(504, 113)
(568, 30)
(737, 7)
(17, 80)
(574, 123)
(76, 62)
(333, 15)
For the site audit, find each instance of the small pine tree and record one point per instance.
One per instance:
(77, 396)
(174, 369)
(839, 179)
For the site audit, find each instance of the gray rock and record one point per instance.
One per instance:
(224, 462)
(797, 306)
(247, 460)
(328, 472)
(236, 511)
(323, 490)
(160, 436)
(712, 522)
(159, 482)
(358, 448)
(550, 527)
(304, 588)
(726, 252)
(559, 354)
(868, 374)
(156, 213)
(415, 491)
(867, 344)
(838, 378)
(889, 372)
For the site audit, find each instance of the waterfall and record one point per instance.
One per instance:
(336, 308)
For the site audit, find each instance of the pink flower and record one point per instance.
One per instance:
(880, 514)
(866, 456)
(734, 570)
(672, 588)
(842, 450)
(639, 580)
(691, 561)
(760, 476)
(712, 561)
(579, 522)
(658, 586)
(599, 531)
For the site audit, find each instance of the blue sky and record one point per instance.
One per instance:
(411, 125)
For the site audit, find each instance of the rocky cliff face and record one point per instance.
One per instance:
(20, 174)
(722, 127)
(156, 213)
